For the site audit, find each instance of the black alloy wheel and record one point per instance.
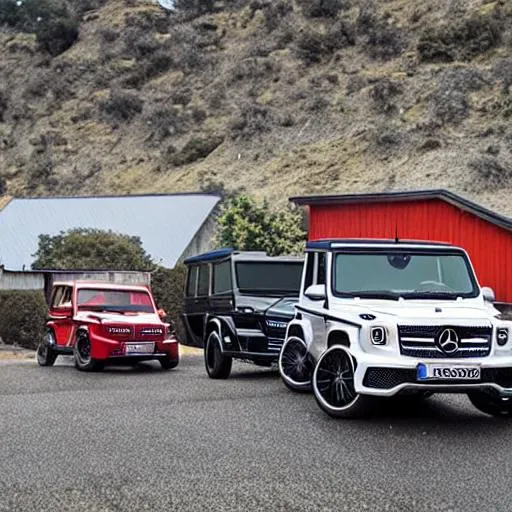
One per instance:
(218, 366)
(333, 385)
(296, 364)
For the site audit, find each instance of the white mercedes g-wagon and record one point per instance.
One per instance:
(383, 318)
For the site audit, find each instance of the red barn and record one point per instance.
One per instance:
(435, 215)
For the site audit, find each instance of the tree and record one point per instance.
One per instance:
(246, 225)
(92, 249)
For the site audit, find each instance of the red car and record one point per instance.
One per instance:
(101, 323)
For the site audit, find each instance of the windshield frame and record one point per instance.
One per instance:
(275, 292)
(114, 308)
(389, 295)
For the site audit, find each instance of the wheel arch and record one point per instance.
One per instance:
(338, 337)
(223, 326)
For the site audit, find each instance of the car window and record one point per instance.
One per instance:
(310, 267)
(203, 280)
(321, 278)
(66, 297)
(192, 281)
(57, 296)
(222, 277)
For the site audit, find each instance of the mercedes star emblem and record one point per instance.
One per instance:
(448, 341)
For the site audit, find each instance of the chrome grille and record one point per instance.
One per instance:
(422, 341)
(274, 344)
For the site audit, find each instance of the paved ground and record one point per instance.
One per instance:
(149, 440)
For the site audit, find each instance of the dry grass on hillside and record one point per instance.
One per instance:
(276, 98)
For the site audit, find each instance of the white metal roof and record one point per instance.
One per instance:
(166, 224)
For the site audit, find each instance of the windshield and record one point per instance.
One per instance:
(395, 274)
(269, 278)
(118, 301)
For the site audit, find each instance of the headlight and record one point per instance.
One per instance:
(378, 335)
(502, 336)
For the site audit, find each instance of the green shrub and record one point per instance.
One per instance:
(22, 317)
(248, 225)
(167, 286)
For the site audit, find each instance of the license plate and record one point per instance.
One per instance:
(448, 372)
(140, 348)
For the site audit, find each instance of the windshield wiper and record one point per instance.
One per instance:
(432, 295)
(372, 294)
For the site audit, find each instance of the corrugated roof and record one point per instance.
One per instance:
(166, 224)
(414, 195)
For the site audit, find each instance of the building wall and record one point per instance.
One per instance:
(21, 280)
(203, 241)
(489, 246)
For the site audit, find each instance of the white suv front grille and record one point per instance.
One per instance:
(427, 341)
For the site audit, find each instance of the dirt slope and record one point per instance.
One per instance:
(276, 98)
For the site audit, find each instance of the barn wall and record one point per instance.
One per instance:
(21, 280)
(489, 246)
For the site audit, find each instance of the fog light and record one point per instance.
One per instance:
(378, 335)
(502, 336)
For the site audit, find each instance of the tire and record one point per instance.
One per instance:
(333, 385)
(167, 363)
(45, 354)
(491, 403)
(81, 353)
(296, 365)
(218, 366)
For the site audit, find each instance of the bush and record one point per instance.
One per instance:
(312, 46)
(251, 120)
(163, 122)
(490, 173)
(167, 286)
(4, 104)
(381, 39)
(54, 25)
(57, 35)
(121, 106)
(382, 94)
(22, 317)
(93, 249)
(274, 13)
(322, 8)
(449, 102)
(459, 40)
(247, 225)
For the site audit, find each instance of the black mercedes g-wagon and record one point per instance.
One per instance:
(238, 304)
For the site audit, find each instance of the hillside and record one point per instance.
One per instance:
(273, 97)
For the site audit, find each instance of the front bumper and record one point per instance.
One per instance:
(105, 348)
(387, 377)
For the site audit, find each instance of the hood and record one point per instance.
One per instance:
(262, 304)
(139, 319)
(411, 311)
(283, 308)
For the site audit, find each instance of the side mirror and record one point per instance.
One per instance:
(162, 314)
(488, 294)
(316, 292)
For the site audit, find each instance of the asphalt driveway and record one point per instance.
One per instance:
(145, 439)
